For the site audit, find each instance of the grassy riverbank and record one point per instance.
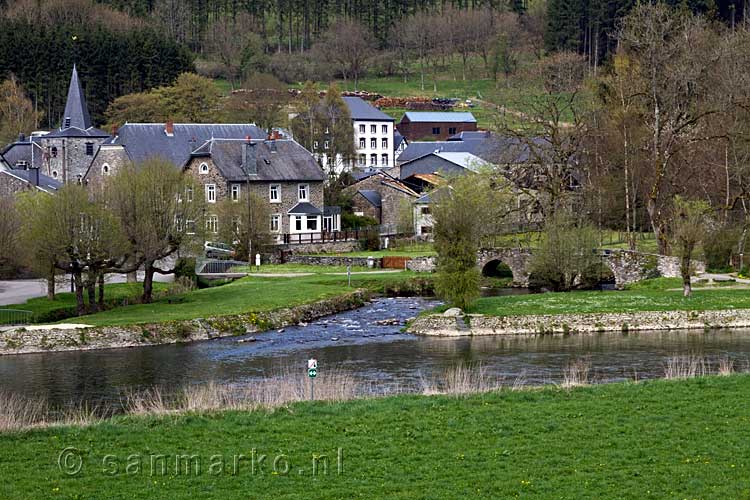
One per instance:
(251, 294)
(652, 295)
(661, 439)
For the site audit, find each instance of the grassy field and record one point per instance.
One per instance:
(298, 268)
(651, 440)
(663, 295)
(251, 294)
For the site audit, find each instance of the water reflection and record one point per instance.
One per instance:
(358, 341)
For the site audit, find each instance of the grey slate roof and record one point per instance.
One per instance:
(470, 134)
(27, 150)
(431, 164)
(332, 210)
(76, 121)
(493, 148)
(47, 184)
(440, 116)
(144, 141)
(279, 160)
(305, 208)
(362, 110)
(397, 139)
(372, 196)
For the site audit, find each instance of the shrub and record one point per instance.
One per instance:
(185, 268)
(718, 246)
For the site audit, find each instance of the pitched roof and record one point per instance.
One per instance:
(279, 160)
(462, 159)
(76, 120)
(372, 196)
(362, 110)
(492, 148)
(305, 208)
(470, 134)
(397, 140)
(144, 141)
(440, 116)
(47, 184)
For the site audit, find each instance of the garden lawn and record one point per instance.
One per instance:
(114, 293)
(652, 440)
(615, 301)
(251, 294)
(297, 268)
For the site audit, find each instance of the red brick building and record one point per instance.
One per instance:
(439, 126)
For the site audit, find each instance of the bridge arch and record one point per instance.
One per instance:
(515, 258)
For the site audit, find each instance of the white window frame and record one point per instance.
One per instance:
(373, 160)
(384, 129)
(212, 224)
(105, 169)
(298, 223)
(210, 193)
(373, 143)
(384, 160)
(236, 192)
(203, 168)
(274, 188)
(303, 189)
(189, 193)
(373, 129)
(384, 143)
(275, 223)
(313, 220)
(362, 128)
(362, 143)
(363, 160)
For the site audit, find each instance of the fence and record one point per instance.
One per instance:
(332, 236)
(15, 317)
(216, 266)
(395, 262)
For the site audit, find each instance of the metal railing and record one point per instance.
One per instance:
(327, 236)
(15, 317)
(218, 266)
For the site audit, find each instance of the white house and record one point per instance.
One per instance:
(373, 134)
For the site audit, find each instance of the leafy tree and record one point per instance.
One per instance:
(305, 125)
(565, 257)
(336, 131)
(10, 224)
(472, 207)
(246, 223)
(141, 107)
(17, 115)
(689, 228)
(261, 101)
(192, 98)
(158, 209)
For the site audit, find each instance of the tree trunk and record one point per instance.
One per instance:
(51, 284)
(657, 225)
(148, 282)
(101, 291)
(91, 292)
(80, 306)
(132, 277)
(685, 271)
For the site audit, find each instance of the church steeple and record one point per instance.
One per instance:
(76, 111)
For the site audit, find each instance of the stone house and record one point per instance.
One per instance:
(17, 180)
(173, 142)
(381, 197)
(279, 171)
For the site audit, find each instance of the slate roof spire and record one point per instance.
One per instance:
(76, 111)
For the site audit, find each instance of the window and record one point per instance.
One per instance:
(236, 222)
(105, 169)
(384, 143)
(435, 130)
(190, 226)
(425, 210)
(363, 160)
(426, 229)
(315, 144)
(373, 129)
(361, 129)
(298, 223)
(203, 168)
(274, 193)
(312, 223)
(325, 145)
(189, 193)
(275, 223)
(212, 224)
(53, 152)
(452, 130)
(210, 193)
(303, 192)
(384, 129)
(384, 160)
(373, 160)
(22, 164)
(373, 143)
(54, 174)
(89, 149)
(235, 192)
(67, 121)
(362, 143)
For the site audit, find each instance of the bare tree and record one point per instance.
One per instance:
(9, 228)
(350, 45)
(689, 227)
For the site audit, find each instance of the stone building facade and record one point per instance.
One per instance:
(381, 197)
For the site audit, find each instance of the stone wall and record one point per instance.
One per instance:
(10, 185)
(517, 259)
(71, 161)
(422, 264)
(583, 323)
(113, 157)
(630, 267)
(49, 339)
(331, 260)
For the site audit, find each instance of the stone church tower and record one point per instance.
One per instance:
(69, 150)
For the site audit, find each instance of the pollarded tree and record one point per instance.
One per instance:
(689, 227)
(160, 212)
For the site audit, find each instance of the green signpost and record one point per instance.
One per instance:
(312, 372)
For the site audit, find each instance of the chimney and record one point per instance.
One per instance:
(249, 158)
(169, 128)
(33, 175)
(114, 130)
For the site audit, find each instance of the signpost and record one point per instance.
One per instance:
(312, 372)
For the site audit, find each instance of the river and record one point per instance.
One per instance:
(353, 341)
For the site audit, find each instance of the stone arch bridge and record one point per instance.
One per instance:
(626, 265)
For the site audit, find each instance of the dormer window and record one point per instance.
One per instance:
(21, 164)
(303, 192)
(67, 122)
(203, 169)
